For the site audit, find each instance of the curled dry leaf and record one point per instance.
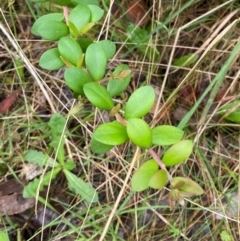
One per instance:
(30, 171)
(137, 12)
(11, 199)
(6, 103)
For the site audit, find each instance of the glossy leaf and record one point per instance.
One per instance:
(79, 17)
(158, 180)
(141, 178)
(59, 17)
(70, 49)
(96, 13)
(190, 187)
(98, 96)
(166, 135)
(109, 48)
(76, 78)
(73, 29)
(78, 186)
(140, 102)
(96, 61)
(53, 30)
(51, 60)
(117, 86)
(178, 153)
(100, 148)
(139, 132)
(113, 133)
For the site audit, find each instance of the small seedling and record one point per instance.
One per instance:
(61, 164)
(85, 74)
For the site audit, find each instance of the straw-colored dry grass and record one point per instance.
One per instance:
(207, 28)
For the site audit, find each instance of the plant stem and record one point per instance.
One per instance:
(160, 163)
(65, 13)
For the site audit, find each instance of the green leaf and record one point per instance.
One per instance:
(69, 165)
(73, 30)
(44, 19)
(141, 178)
(225, 236)
(232, 110)
(137, 35)
(98, 96)
(38, 184)
(139, 132)
(234, 117)
(78, 186)
(57, 127)
(112, 133)
(87, 28)
(117, 86)
(189, 187)
(96, 13)
(96, 61)
(61, 2)
(94, 2)
(84, 43)
(51, 60)
(75, 79)
(140, 102)
(4, 236)
(177, 184)
(166, 135)
(100, 148)
(178, 153)
(186, 60)
(158, 180)
(38, 1)
(79, 17)
(109, 48)
(39, 158)
(141, 40)
(53, 30)
(70, 49)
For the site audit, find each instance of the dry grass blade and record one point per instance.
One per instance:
(22, 56)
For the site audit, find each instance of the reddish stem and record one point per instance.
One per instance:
(65, 13)
(160, 163)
